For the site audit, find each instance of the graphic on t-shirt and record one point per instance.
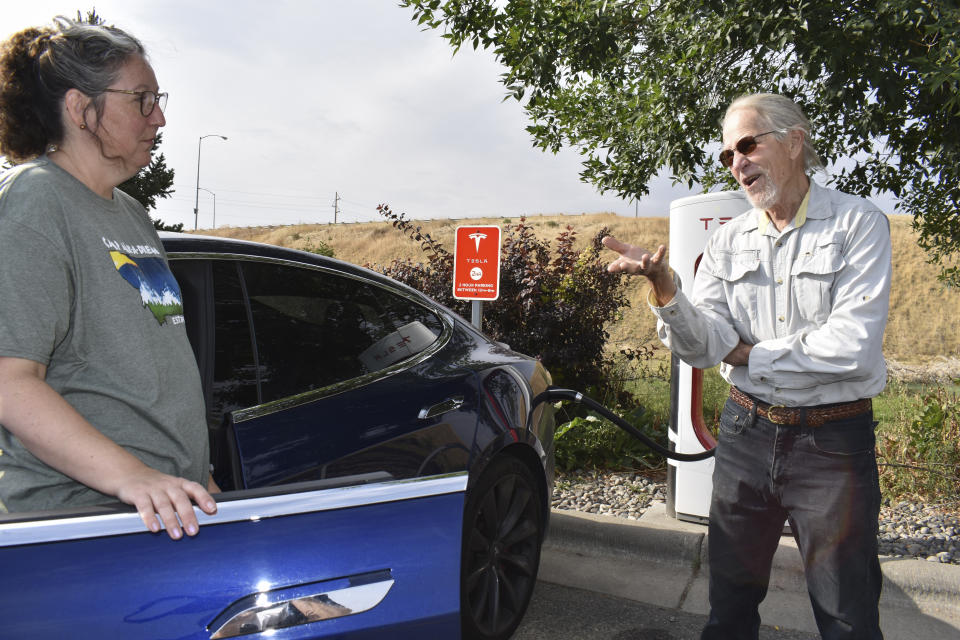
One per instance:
(158, 288)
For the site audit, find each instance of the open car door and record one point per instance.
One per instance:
(350, 558)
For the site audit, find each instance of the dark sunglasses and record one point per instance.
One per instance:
(745, 145)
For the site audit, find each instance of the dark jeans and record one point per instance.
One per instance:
(824, 481)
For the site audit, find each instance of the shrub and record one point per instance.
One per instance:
(322, 249)
(591, 441)
(585, 439)
(553, 304)
(919, 454)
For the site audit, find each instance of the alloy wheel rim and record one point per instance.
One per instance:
(503, 549)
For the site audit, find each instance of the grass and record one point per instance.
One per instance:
(918, 442)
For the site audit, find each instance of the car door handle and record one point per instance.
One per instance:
(450, 404)
(273, 610)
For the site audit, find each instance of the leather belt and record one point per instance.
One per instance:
(800, 416)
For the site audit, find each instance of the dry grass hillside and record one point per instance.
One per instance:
(923, 327)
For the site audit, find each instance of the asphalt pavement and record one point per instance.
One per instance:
(659, 564)
(564, 613)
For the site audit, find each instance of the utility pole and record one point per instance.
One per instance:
(336, 205)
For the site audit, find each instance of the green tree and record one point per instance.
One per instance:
(156, 179)
(637, 86)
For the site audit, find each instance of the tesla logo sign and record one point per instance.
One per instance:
(476, 263)
(706, 221)
(477, 237)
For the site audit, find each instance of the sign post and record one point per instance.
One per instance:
(476, 267)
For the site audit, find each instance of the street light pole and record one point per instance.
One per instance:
(214, 206)
(196, 201)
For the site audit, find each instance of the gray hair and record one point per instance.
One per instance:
(85, 57)
(780, 114)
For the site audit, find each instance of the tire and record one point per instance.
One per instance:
(502, 534)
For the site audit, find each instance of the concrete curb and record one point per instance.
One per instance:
(663, 561)
(649, 541)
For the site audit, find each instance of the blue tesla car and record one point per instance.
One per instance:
(384, 473)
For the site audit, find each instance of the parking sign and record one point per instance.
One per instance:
(476, 263)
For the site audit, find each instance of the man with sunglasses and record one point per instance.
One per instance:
(792, 298)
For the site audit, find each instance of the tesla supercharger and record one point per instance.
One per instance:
(692, 221)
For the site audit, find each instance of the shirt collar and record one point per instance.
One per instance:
(763, 220)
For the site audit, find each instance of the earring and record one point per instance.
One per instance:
(83, 126)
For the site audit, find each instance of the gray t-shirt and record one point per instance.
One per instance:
(85, 289)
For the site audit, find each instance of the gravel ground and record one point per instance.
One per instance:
(929, 532)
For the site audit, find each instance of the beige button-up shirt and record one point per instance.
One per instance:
(812, 299)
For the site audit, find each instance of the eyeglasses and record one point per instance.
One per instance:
(148, 100)
(745, 145)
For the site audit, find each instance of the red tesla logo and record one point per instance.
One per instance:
(706, 221)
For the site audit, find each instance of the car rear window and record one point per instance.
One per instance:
(314, 328)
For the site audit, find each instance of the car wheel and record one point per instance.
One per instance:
(503, 531)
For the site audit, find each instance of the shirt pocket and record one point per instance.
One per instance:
(813, 275)
(733, 266)
(742, 269)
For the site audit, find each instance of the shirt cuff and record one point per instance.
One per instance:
(760, 363)
(671, 308)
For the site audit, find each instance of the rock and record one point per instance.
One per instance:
(905, 529)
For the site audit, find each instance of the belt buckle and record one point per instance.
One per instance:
(773, 418)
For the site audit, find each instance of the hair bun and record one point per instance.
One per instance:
(22, 132)
(41, 40)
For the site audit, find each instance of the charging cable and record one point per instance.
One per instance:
(569, 394)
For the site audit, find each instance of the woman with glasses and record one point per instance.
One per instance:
(100, 398)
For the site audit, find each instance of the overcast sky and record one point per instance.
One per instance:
(336, 97)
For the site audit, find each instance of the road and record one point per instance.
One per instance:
(606, 578)
(564, 613)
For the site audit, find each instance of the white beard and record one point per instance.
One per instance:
(766, 197)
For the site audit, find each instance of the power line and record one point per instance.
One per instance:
(282, 205)
(307, 200)
(271, 195)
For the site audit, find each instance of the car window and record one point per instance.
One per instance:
(235, 371)
(314, 328)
